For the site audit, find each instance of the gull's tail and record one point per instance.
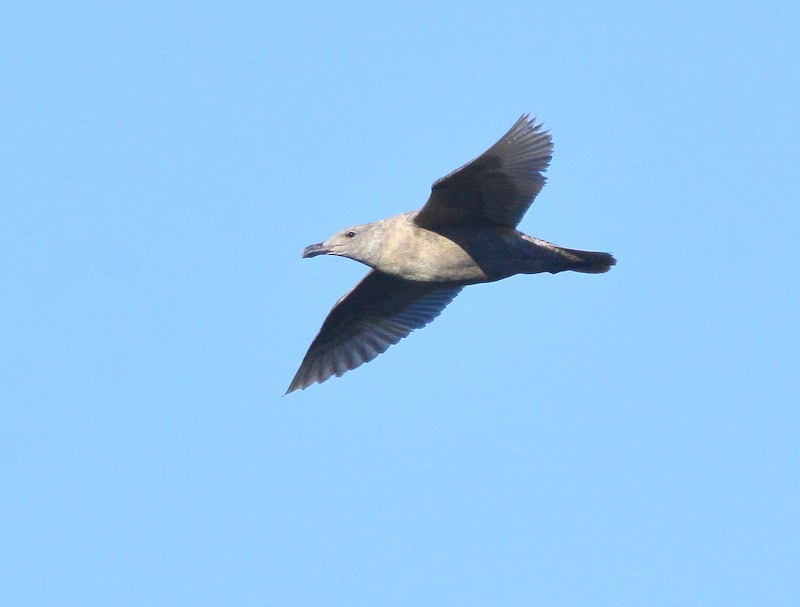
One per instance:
(588, 262)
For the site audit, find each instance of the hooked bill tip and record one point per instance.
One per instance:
(315, 249)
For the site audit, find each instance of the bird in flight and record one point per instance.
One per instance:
(465, 234)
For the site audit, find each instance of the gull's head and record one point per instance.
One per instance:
(361, 243)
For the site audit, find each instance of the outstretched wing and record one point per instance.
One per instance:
(497, 187)
(380, 311)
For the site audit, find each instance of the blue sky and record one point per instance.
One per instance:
(623, 439)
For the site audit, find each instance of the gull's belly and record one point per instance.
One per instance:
(462, 256)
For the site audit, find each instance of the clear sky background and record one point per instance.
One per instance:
(624, 439)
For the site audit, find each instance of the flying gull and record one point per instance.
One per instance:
(465, 234)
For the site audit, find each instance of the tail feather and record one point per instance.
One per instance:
(588, 262)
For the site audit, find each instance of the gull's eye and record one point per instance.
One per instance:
(350, 234)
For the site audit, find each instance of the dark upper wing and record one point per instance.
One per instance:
(498, 186)
(380, 311)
